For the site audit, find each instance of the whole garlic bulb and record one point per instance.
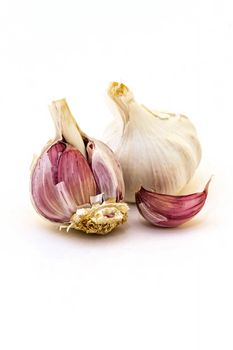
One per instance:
(156, 150)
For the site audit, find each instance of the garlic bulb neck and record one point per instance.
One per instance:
(122, 97)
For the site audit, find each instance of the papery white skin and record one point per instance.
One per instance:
(156, 150)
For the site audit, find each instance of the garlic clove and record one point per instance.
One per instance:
(169, 211)
(61, 180)
(100, 218)
(74, 171)
(106, 170)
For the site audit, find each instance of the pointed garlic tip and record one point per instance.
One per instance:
(169, 211)
(61, 181)
(207, 185)
(66, 126)
(106, 170)
(99, 218)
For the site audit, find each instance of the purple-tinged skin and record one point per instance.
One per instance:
(169, 211)
(61, 181)
(106, 170)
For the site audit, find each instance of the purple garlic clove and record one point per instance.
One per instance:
(61, 181)
(106, 170)
(169, 211)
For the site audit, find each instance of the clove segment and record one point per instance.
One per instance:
(61, 181)
(106, 170)
(169, 211)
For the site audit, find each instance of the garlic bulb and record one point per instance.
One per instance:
(155, 149)
(70, 173)
(169, 211)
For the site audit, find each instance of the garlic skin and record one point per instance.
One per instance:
(169, 211)
(155, 149)
(71, 170)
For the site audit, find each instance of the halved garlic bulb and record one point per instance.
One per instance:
(155, 149)
(71, 170)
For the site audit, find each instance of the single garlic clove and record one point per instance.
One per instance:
(61, 181)
(169, 211)
(99, 218)
(106, 170)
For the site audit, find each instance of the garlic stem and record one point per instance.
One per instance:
(122, 96)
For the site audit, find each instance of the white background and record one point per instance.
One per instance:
(140, 287)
